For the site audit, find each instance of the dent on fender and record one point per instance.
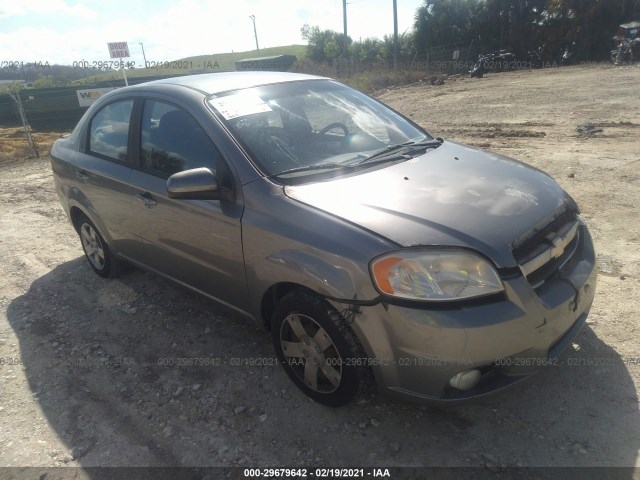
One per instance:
(324, 277)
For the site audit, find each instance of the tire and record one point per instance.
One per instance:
(318, 350)
(615, 57)
(96, 249)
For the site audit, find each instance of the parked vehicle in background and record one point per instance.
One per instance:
(480, 67)
(629, 30)
(567, 56)
(375, 253)
(497, 61)
(623, 53)
(627, 44)
(534, 58)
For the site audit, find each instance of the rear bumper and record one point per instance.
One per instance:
(414, 352)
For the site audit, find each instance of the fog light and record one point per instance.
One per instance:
(465, 380)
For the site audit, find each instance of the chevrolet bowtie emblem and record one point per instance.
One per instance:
(558, 246)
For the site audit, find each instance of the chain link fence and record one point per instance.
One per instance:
(437, 62)
(449, 60)
(16, 136)
(32, 119)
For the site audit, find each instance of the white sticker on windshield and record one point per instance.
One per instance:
(233, 106)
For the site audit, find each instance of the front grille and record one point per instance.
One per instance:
(542, 239)
(539, 276)
(542, 254)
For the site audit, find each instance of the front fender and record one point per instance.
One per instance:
(305, 246)
(331, 276)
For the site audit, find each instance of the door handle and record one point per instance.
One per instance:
(147, 199)
(82, 176)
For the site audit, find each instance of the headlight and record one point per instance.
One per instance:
(435, 275)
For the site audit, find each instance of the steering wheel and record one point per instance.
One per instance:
(275, 146)
(333, 125)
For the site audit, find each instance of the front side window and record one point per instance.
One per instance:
(172, 141)
(300, 126)
(109, 132)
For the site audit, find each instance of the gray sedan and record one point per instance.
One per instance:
(378, 256)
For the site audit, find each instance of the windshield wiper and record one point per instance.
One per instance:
(318, 166)
(391, 152)
(385, 155)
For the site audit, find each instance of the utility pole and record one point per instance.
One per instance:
(344, 16)
(344, 22)
(253, 17)
(395, 35)
(143, 55)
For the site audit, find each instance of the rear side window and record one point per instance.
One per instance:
(109, 132)
(172, 141)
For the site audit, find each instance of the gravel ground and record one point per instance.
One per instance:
(88, 366)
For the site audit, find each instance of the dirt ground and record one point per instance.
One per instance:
(83, 374)
(14, 144)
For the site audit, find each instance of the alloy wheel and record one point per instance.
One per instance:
(311, 353)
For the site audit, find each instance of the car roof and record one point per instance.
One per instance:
(210, 83)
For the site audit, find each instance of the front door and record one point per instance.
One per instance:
(196, 242)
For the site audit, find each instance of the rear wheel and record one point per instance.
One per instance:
(317, 349)
(96, 249)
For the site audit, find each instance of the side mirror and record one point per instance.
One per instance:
(197, 184)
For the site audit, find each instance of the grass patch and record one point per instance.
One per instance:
(367, 78)
(373, 81)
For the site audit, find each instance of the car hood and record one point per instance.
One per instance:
(453, 195)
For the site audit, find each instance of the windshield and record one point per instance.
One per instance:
(305, 128)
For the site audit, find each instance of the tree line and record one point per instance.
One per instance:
(326, 46)
(515, 25)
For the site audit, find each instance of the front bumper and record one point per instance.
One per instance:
(414, 352)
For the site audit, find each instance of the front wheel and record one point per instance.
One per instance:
(317, 349)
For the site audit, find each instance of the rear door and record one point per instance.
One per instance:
(102, 169)
(196, 242)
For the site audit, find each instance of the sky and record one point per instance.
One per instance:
(67, 31)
